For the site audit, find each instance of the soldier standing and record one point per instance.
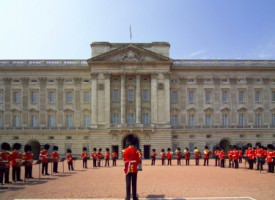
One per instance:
(270, 158)
(259, 156)
(222, 157)
(206, 154)
(153, 156)
(16, 160)
(186, 155)
(28, 160)
(169, 156)
(5, 163)
(69, 158)
(162, 157)
(55, 156)
(99, 157)
(44, 156)
(250, 154)
(84, 156)
(235, 155)
(107, 157)
(114, 158)
(216, 154)
(94, 157)
(178, 155)
(197, 155)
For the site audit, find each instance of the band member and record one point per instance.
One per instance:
(169, 155)
(94, 157)
(235, 154)
(230, 157)
(162, 157)
(107, 157)
(114, 157)
(55, 156)
(44, 156)
(216, 154)
(131, 158)
(197, 155)
(259, 156)
(186, 155)
(69, 158)
(84, 156)
(250, 154)
(16, 160)
(5, 163)
(270, 158)
(99, 157)
(206, 155)
(28, 160)
(178, 155)
(140, 155)
(240, 155)
(153, 156)
(222, 157)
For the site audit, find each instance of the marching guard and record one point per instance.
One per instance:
(270, 158)
(107, 157)
(250, 154)
(55, 156)
(186, 153)
(169, 156)
(222, 157)
(153, 156)
(206, 154)
(230, 157)
(16, 160)
(114, 157)
(162, 157)
(69, 158)
(84, 156)
(178, 155)
(45, 156)
(94, 157)
(28, 160)
(99, 157)
(235, 155)
(240, 155)
(259, 156)
(5, 163)
(216, 154)
(197, 155)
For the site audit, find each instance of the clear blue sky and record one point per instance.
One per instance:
(64, 29)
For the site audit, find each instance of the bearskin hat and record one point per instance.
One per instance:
(249, 145)
(94, 149)
(217, 147)
(99, 149)
(107, 149)
(47, 146)
(169, 149)
(69, 151)
(206, 147)
(84, 149)
(178, 148)
(162, 150)
(153, 150)
(195, 147)
(27, 148)
(186, 149)
(270, 146)
(55, 148)
(16, 146)
(258, 144)
(5, 146)
(131, 140)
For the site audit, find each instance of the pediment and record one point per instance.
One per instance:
(129, 53)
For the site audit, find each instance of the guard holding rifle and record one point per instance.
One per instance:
(259, 156)
(28, 160)
(94, 157)
(114, 158)
(250, 155)
(153, 156)
(16, 161)
(45, 156)
(4, 162)
(55, 156)
(270, 158)
(84, 156)
(216, 154)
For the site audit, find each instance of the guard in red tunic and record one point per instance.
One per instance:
(162, 157)
(230, 157)
(107, 157)
(153, 156)
(55, 156)
(114, 157)
(259, 156)
(94, 157)
(16, 160)
(99, 157)
(216, 154)
(178, 156)
(206, 155)
(5, 163)
(270, 158)
(69, 158)
(186, 153)
(45, 156)
(169, 155)
(250, 154)
(197, 155)
(235, 155)
(222, 157)
(131, 158)
(28, 160)
(84, 156)
(240, 155)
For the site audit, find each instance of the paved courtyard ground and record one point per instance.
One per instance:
(154, 182)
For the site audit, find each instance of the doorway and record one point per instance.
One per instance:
(147, 151)
(224, 143)
(115, 149)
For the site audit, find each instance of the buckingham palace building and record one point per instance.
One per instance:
(136, 89)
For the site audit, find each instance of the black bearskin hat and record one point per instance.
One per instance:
(217, 147)
(69, 151)
(131, 140)
(153, 150)
(162, 150)
(84, 149)
(5, 146)
(55, 148)
(27, 148)
(270, 146)
(195, 147)
(107, 149)
(99, 149)
(16, 146)
(94, 149)
(47, 146)
(186, 149)
(169, 149)
(178, 149)
(258, 144)
(249, 145)
(206, 147)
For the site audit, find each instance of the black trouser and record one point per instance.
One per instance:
(28, 171)
(94, 162)
(169, 162)
(270, 167)
(131, 178)
(259, 164)
(236, 164)
(206, 161)
(45, 168)
(162, 162)
(222, 163)
(98, 162)
(197, 161)
(16, 173)
(178, 161)
(153, 161)
(250, 162)
(85, 163)
(70, 166)
(114, 162)
(187, 161)
(5, 171)
(217, 161)
(55, 167)
(106, 162)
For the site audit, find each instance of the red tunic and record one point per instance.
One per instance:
(207, 153)
(69, 158)
(230, 154)
(178, 154)
(169, 155)
(240, 153)
(235, 155)
(107, 155)
(187, 155)
(222, 155)
(114, 155)
(44, 156)
(84, 154)
(153, 154)
(197, 154)
(94, 155)
(259, 152)
(269, 155)
(216, 152)
(16, 159)
(131, 158)
(250, 153)
(55, 156)
(99, 155)
(162, 155)
(5, 158)
(28, 158)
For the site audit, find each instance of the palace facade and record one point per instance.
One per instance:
(136, 88)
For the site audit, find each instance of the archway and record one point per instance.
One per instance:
(224, 143)
(125, 139)
(35, 148)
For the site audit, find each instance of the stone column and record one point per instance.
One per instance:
(200, 102)
(42, 99)
(60, 111)
(94, 100)
(8, 101)
(233, 100)
(266, 101)
(167, 98)
(250, 100)
(25, 101)
(122, 100)
(107, 99)
(138, 100)
(183, 101)
(154, 102)
(217, 100)
(77, 116)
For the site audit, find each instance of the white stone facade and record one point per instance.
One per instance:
(135, 88)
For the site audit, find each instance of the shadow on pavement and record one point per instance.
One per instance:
(160, 197)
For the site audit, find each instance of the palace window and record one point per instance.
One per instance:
(273, 120)
(86, 97)
(191, 120)
(273, 96)
(1, 96)
(174, 120)
(174, 97)
(130, 95)
(116, 95)
(69, 97)
(191, 97)
(224, 119)
(1, 120)
(34, 97)
(69, 120)
(145, 95)
(146, 118)
(257, 96)
(241, 96)
(51, 97)
(86, 121)
(51, 120)
(207, 97)
(207, 120)
(115, 118)
(224, 96)
(16, 121)
(257, 120)
(241, 119)
(16, 97)
(130, 118)
(34, 121)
